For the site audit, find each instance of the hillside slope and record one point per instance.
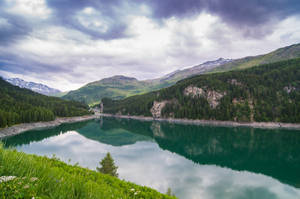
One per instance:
(289, 52)
(42, 177)
(19, 105)
(119, 87)
(195, 70)
(116, 87)
(269, 92)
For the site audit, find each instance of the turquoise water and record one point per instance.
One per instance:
(196, 162)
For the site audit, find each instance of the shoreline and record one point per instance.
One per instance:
(21, 128)
(264, 125)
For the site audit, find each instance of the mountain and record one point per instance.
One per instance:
(289, 52)
(199, 69)
(20, 105)
(119, 87)
(36, 87)
(116, 87)
(265, 93)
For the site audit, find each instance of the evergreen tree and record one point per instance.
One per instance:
(169, 192)
(108, 166)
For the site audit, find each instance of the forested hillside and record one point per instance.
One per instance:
(18, 105)
(269, 92)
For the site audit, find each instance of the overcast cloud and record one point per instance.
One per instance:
(68, 43)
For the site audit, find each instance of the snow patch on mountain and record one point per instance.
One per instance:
(36, 87)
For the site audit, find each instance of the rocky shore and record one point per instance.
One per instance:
(20, 128)
(272, 125)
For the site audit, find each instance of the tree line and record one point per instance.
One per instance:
(264, 93)
(18, 105)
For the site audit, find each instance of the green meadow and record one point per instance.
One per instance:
(25, 176)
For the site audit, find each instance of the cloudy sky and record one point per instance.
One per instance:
(68, 43)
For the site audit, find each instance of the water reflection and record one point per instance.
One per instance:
(98, 131)
(271, 152)
(226, 162)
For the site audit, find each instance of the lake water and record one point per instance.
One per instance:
(196, 162)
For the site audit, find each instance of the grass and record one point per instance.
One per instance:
(41, 177)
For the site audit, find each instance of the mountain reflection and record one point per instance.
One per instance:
(96, 130)
(39, 135)
(100, 131)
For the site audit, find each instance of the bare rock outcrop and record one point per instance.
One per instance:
(213, 97)
(157, 107)
(289, 89)
(235, 82)
(194, 91)
(157, 131)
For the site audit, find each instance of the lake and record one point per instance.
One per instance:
(196, 162)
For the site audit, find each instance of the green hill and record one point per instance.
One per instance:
(269, 92)
(61, 94)
(42, 177)
(119, 87)
(19, 105)
(116, 87)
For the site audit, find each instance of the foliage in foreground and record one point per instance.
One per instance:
(41, 177)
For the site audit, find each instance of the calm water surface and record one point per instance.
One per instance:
(196, 162)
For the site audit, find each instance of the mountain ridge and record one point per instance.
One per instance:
(36, 87)
(120, 86)
(93, 92)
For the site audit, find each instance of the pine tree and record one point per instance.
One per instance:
(169, 192)
(108, 166)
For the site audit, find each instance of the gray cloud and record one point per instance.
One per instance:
(108, 12)
(250, 16)
(12, 28)
(232, 11)
(23, 65)
(86, 40)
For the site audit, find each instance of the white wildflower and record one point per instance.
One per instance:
(33, 179)
(6, 178)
